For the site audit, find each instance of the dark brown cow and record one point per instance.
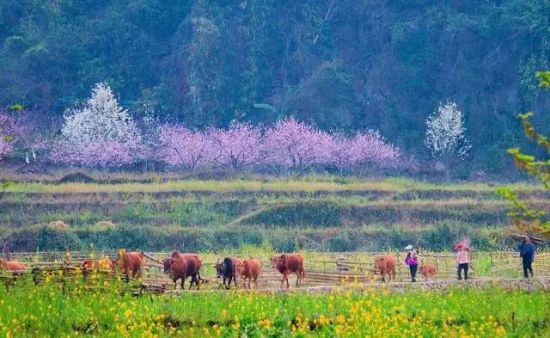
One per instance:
(229, 269)
(12, 266)
(181, 266)
(251, 271)
(428, 271)
(131, 263)
(287, 264)
(385, 264)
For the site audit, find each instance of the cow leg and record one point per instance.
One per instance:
(287, 284)
(297, 278)
(197, 280)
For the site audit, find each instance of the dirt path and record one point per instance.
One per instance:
(532, 284)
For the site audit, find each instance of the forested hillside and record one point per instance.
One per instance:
(340, 64)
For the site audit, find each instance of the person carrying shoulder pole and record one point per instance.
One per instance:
(527, 254)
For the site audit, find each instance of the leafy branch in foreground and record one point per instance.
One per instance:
(525, 217)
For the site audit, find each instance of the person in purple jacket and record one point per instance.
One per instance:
(412, 261)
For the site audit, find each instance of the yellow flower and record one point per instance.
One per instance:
(265, 323)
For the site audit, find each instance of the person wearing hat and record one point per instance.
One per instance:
(412, 261)
(458, 245)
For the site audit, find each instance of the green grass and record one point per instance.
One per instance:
(47, 310)
(319, 183)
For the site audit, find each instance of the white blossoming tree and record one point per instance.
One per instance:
(102, 133)
(446, 136)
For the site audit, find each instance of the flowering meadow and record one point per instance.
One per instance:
(102, 308)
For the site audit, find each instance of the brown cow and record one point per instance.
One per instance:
(385, 264)
(12, 266)
(99, 264)
(181, 266)
(289, 263)
(177, 268)
(15, 268)
(131, 263)
(251, 271)
(102, 264)
(194, 264)
(428, 271)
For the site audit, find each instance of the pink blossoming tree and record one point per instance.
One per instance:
(180, 146)
(363, 150)
(297, 145)
(370, 148)
(237, 147)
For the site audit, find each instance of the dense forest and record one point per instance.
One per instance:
(343, 65)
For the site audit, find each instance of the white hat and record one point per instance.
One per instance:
(409, 247)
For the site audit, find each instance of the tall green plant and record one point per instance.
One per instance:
(525, 217)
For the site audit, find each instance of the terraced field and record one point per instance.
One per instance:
(320, 214)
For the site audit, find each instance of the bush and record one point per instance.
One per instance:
(57, 239)
(440, 237)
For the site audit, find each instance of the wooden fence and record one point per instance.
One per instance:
(329, 269)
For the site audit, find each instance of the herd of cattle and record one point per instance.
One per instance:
(180, 266)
